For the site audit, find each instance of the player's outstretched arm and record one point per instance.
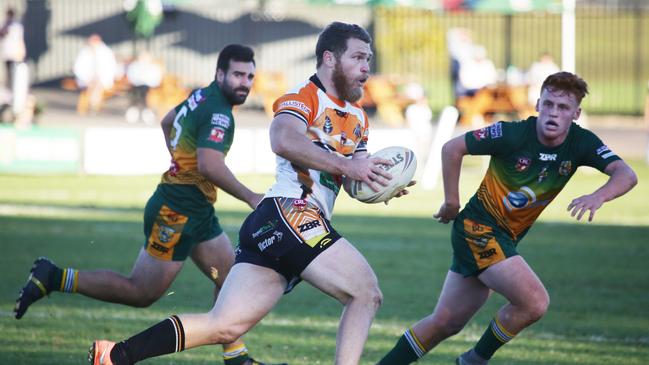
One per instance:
(622, 179)
(452, 154)
(288, 139)
(211, 164)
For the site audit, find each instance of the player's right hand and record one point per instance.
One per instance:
(447, 212)
(368, 170)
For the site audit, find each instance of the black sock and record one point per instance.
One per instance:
(163, 338)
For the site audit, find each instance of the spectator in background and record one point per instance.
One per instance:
(477, 72)
(143, 73)
(537, 73)
(419, 117)
(12, 45)
(94, 69)
(460, 47)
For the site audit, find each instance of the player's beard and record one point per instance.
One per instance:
(231, 94)
(344, 88)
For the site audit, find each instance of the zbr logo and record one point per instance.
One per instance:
(519, 199)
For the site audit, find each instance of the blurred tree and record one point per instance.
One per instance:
(144, 15)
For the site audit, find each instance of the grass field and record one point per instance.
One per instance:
(595, 273)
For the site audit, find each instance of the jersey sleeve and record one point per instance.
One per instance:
(300, 105)
(594, 152)
(496, 139)
(215, 128)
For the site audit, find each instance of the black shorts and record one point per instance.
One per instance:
(285, 235)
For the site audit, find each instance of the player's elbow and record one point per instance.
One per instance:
(633, 179)
(280, 146)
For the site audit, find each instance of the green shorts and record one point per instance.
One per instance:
(171, 231)
(478, 244)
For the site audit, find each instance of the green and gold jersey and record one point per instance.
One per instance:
(204, 120)
(524, 176)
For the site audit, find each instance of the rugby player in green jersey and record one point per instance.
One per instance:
(179, 218)
(531, 161)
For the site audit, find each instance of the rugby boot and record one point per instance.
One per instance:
(252, 361)
(470, 358)
(39, 284)
(99, 353)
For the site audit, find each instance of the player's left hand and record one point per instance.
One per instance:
(584, 203)
(254, 200)
(402, 192)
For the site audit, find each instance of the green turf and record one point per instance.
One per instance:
(594, 272)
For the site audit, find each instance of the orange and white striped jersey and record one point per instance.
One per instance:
(332, 124)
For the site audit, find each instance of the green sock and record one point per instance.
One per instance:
(493, 338)
(407, 350)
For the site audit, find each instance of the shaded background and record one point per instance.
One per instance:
(612, 44)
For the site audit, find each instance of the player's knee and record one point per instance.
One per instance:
(371, 295)
(538, 307)
(446, 325)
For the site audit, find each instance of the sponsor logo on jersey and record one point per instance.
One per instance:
(565, 168)
(357, 130)
(522, 199)
(542, 174)
(604, 152)
(480, 134)
(296, 105)
(496, 130)
(194, 99)
(523, 163)
(328, 127)
(220, 120)
(216, 135)
(547, 156)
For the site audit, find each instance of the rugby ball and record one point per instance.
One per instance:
(402, 171)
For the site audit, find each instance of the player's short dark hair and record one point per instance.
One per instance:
(334, 39)
(568, 82)
(234, 52)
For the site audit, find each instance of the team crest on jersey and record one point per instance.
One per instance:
(328, 127)
(357, 130)
(216, 135)
(480, 134)
(496, 130)
(542, 174)
(220, 120)
(523, 163)
(565, 168)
